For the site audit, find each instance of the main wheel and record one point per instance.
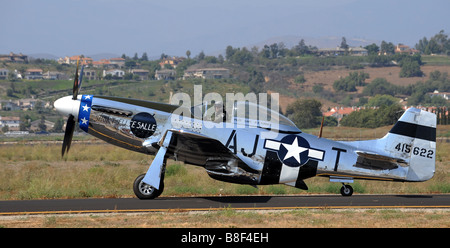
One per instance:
(346, 190)
(144, 191)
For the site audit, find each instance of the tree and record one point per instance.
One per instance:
(10, 92)
(229, 52)
(241, 56)
(300, 79)
(144, 57)
(201, 56)
(305, 113)
(42, 126)
(372, 49)
(422, 45)
(256, 80)
(301, 48)
(188, 54)
(387, 48)
(344, 44)
(380, 86)
(372, 118)
(350, 82)
(438, 44)
(410, 68)
(317, 88)
(58, 127)
(382, 100)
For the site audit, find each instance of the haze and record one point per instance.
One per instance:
(172, 27)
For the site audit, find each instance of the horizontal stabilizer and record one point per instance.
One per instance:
(378, 162)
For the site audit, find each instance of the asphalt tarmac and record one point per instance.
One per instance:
(118, 205)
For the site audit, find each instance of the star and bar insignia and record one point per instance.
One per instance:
(294, 151)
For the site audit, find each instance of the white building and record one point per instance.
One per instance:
(207, 73)
(115, 73)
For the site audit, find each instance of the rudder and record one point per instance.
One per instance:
(413, 138)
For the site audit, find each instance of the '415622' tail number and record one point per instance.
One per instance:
(406, 148)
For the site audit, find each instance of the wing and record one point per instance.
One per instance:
(196, 149)
(219, 161)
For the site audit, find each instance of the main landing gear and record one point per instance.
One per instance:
(144, 191)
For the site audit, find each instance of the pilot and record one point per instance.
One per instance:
(220, 113)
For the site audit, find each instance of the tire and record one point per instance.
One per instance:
(346, 190)
(144, 191)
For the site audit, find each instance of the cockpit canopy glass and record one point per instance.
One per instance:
(244, 114)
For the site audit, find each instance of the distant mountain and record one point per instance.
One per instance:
(95, 57)
(43, 56)
(100, 56)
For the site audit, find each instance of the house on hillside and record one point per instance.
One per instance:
(33, 74)
(9, 106)
(207, 73)
(12, 57)
(340, 112)
(12, 122)
(73, 60)
(119, 62)
(114, 73)
(165, 74)
(89, 74)
(436, 93)
(36, 125)
(338, 51)
(4, 73)
(54, 75)
(142, 74)
(174, 61)
(404, 49)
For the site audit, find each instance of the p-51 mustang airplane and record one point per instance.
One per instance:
(249, 152)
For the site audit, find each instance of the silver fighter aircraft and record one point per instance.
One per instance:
(239, 148)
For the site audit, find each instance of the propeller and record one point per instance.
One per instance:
(70, 125)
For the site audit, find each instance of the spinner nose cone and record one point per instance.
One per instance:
(66, 105)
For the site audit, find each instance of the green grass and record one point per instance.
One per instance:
(102, 170)
(436, 60)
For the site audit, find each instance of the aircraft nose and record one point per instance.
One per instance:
(66, 105)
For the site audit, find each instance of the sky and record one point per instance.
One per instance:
(70, 27)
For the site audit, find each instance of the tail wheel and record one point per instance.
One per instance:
(144, 191)
(346, 190)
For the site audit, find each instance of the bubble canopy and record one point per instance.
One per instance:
(245, 114)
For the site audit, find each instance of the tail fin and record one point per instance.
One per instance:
(413, 138)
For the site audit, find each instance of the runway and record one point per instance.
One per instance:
(179, 204)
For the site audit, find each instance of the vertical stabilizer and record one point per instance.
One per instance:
(413, 138)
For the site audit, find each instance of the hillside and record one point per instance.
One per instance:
(327, 78)
(299, 72)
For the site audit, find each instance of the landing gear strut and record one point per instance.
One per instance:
(346, 190)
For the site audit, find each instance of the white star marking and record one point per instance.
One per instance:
(84, 121)
(85, 108)
(87, 97)
(294, 150)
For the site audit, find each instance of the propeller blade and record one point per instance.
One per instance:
(75, 83)
(70, 126)
(81, 79)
